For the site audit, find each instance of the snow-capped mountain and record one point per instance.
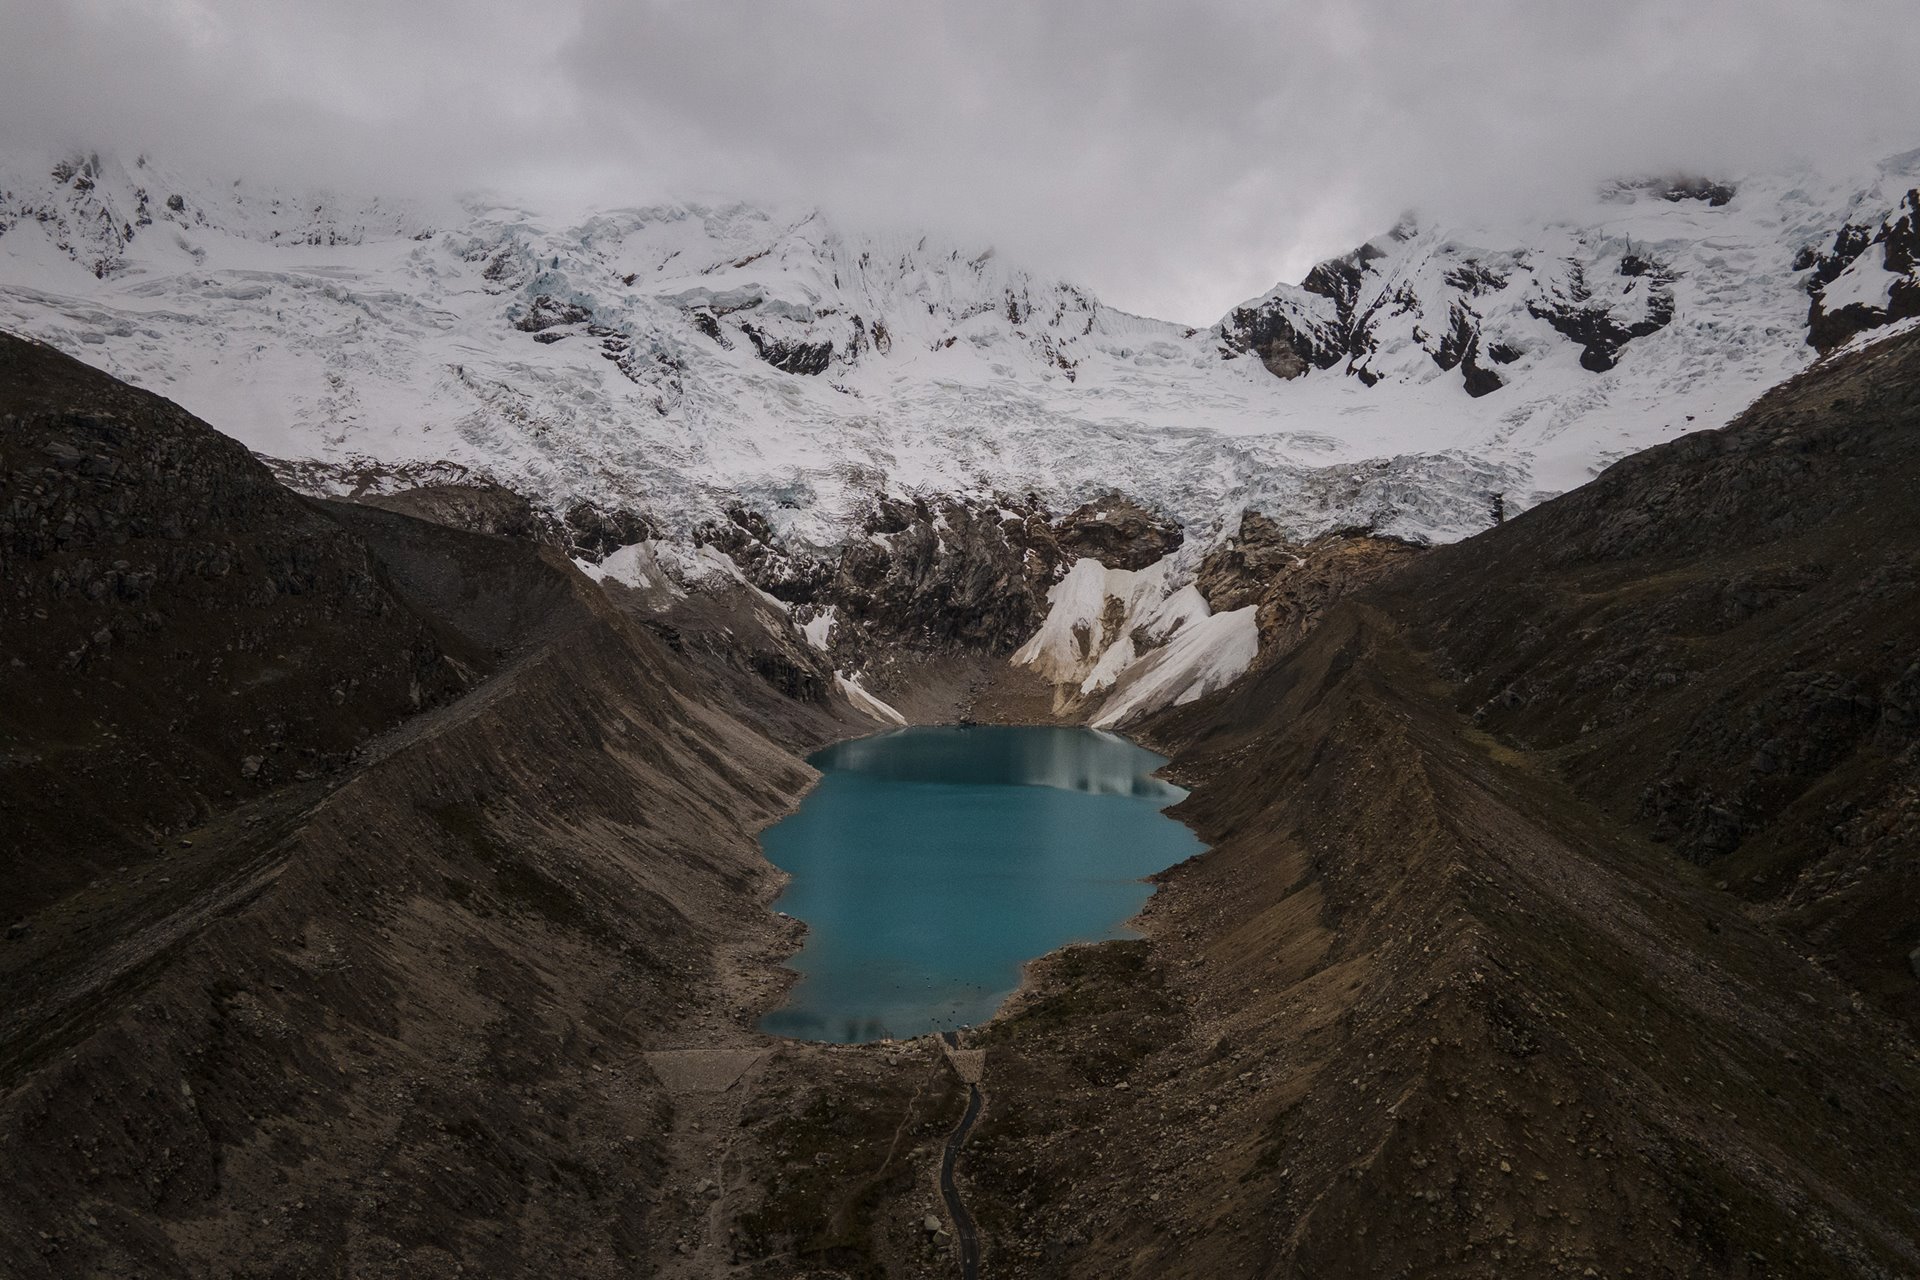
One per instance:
(681, 359)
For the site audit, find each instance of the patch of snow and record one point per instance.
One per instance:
(636, 566)
(1130, 633)
(1087, 632)
(1865, 283)
(866, 703)
(819, 628)
(697, 566)
(1868, 337)
(1204, 655)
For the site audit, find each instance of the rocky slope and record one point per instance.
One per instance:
(1440, 1001)
(181, 633)
(388, 1019)
(1715, 643)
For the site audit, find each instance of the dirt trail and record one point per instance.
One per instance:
(963, 1226)
(706, 1184)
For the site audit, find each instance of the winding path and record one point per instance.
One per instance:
(963, 1226)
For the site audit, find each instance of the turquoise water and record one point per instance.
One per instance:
(931, 863)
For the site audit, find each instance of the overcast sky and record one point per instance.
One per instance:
(1176, 156)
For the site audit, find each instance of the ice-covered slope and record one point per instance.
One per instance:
(1666, 306)
(1135, 642)
(680, 358)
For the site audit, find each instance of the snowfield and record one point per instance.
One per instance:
(680, 358)
(1132, 635)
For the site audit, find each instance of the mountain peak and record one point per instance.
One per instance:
(686, 357)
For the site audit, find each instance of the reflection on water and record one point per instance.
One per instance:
(1021, 756)
(931, 863)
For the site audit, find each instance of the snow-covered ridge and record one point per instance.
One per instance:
(683, 358)
(1135, 641)
(1666, 307)
(1092, 614)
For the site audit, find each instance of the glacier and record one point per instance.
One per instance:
(682, 359)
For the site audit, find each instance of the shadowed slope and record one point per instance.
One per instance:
(1427, 1008)
(1718, 641)
(391, 1021)
(180, 633)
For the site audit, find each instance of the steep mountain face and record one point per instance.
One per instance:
(1758, 713)
(379, 1011)
(1653, 257)
(1395, 303)
(1291, 584)
(679, 361)
(91, 211)
(939, 575)
(1869, 276)
(141, 550)
(1447, 995)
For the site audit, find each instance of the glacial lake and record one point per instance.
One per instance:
(931, 863)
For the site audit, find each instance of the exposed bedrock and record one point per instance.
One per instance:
(1117, 532)
(790, 355)
(1292, 583)
(1867, 277)
(477, 507)
(941, 573)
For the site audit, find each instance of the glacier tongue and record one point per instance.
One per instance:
(1210, 654)
(681, 358)
(1131, 637)
(1087, 635)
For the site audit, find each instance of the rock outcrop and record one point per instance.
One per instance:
(940, 574)
(1463, 309)
(1116, 531)
(477, 507)
(1293, 584)
(591, 530)
(1868, 277)
(943, 574)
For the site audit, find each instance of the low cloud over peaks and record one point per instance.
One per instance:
(1175, 157)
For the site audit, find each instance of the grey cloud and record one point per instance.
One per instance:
(1175, 156)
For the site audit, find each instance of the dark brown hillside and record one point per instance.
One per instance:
(1719, 642)
(1435, 1003)
(399, 1031)
(1421, 1011)
(178, 633)
(383, 1021)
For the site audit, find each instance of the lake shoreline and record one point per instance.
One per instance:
(931, 864)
